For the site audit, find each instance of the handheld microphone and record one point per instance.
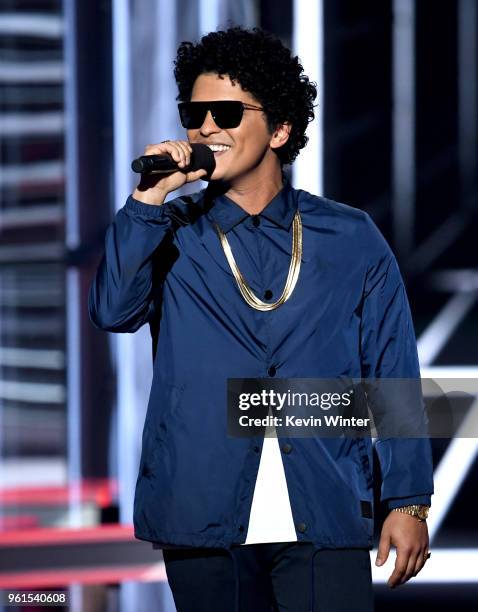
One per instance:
(201, 158)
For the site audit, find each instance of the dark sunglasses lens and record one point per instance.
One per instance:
(227, 114)
(192, 114)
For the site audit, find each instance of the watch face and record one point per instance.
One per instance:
(423, 513)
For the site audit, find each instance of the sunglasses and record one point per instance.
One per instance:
(226, 113)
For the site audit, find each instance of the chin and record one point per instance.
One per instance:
(217, 175)
(224, 170)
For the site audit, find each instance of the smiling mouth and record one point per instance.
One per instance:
(219, 149)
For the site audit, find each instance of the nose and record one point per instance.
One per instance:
(209, 125)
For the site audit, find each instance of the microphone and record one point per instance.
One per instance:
(201, 158)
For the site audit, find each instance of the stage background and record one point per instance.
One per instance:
(84, 86)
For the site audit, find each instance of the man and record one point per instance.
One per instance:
(251, 278)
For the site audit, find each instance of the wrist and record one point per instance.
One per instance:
(147, 198)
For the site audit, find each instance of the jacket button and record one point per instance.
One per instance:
(256, 221)
(287, 448)
(267, 294)
(257, 449)
(301, 527)
(271, 371)
(241, 528)
(146, 471)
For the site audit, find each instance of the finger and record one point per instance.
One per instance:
(422, 559)
(194, 176)
(383, 550)
(176, 153)
(159, 147)
(414, 559)
(171, 147)
(185, 144)
(185, 153)
(401, 563)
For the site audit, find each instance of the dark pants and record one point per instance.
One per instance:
(285, 577)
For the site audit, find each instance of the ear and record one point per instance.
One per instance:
(280, 135)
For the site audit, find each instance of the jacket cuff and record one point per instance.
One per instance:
(399, 502)
(146, 210)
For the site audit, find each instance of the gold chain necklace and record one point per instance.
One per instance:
(292, 276)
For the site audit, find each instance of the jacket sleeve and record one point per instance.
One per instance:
(120, 295)
(389, 350)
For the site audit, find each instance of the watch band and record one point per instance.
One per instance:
(419, 511)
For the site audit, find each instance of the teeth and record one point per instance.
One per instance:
(218, 147)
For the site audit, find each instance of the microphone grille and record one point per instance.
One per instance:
(202, 157)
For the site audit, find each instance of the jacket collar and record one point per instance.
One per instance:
(280, 210)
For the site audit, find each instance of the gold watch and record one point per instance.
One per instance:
(420, 511)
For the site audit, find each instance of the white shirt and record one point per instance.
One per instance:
(271, 515)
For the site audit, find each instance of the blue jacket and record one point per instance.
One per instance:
(347, 316)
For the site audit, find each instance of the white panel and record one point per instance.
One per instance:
(208, 16)
(403, 119)
(444, 566)
(308, 44)
(55, 170)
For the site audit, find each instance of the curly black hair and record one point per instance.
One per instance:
(264, 67)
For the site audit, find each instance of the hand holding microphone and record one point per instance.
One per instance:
(169, 165)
